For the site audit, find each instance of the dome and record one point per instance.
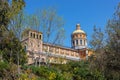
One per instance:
(78, 30)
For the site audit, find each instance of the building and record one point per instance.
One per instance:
(39, 52)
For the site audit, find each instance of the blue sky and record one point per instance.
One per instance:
(85, 12)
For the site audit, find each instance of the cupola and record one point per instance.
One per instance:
(78, 38)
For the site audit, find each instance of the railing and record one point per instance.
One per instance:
(57, 55)
(62, 56)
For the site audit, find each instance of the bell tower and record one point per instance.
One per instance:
(32, 41)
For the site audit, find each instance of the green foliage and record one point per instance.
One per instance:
(3, 67)
(8, 9)
(49, 73)
(8, 71)
(74, 71)
(12, 49)
(97, 39)
(4, 9)
(82, 71)
(40, 71)
(107, 57)
(112, 49)
(52, 76)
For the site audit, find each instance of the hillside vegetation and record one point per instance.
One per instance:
(104, 64)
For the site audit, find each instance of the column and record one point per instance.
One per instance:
(48, 49)
(86, 54)
(58, 50)
(79, 42)
(86, 43)
(82, 42)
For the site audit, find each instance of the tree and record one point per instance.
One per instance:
(97, 39)
(11, 46)
(17, 24)
(3, 13)
(21, 22)
(97, 43)
(8, 9)
(112, 50)
(108, 60)
(52, 26)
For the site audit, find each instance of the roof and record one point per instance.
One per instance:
(55, 45)
(78, 31)
(26, 31)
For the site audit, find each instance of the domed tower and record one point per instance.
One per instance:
(78, 38)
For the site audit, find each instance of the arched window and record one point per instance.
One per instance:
(73, 42)
(40, 36)
(30, 34)
(76, 42)
(34, 35)
(80, 42)
(37, 36)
